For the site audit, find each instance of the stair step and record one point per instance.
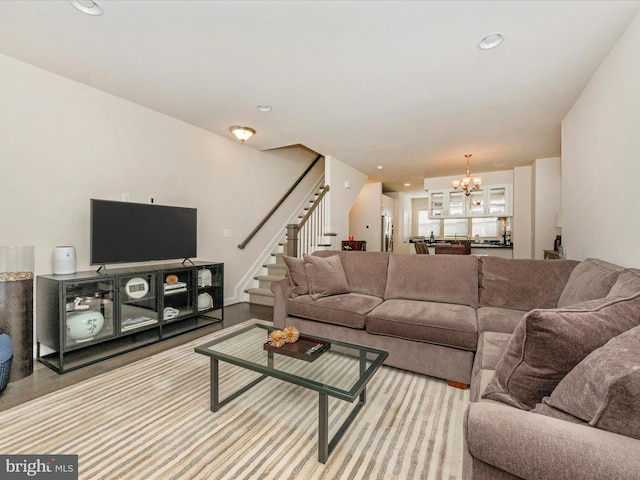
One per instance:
(269, 278)
(276, 266)
(260, 296)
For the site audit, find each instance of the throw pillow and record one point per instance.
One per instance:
(297, 276)
(548, 344)
(604, 388)
(627, 284)
(325, 276)
(592, 278)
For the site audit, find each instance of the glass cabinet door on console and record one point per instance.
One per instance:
(88, 312)
(138, 302)
(210, 288)
(178, 294)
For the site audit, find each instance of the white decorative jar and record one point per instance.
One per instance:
(83, 326)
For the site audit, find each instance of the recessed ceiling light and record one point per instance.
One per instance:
(379, 167)
(264, 108)
(491, 41)
(87, 6)
(407, 184)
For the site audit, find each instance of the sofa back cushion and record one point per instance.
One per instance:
(548, 344)
(366, 271)
(591, 279)
(433, 278)
(627, 284)
(522, 284)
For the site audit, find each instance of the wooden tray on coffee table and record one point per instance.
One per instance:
(299, 349)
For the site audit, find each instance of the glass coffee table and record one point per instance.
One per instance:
(342, 371)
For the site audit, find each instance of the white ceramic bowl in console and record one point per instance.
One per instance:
(205, 301)
(83, 326)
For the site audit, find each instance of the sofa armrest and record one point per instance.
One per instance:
(533, 446)
(281, 292)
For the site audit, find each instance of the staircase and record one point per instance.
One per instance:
(274, 268)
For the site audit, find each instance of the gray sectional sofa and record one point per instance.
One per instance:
(549, 348)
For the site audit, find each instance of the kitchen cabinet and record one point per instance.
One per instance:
(436, 204)
(489, 201)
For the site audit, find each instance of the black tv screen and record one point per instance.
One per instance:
(126, 232)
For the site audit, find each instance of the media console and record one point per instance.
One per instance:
(87, 317)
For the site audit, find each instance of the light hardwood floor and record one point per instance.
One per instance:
(44, 380)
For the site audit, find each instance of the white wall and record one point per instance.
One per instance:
(402, 210)
(488, 178)
(345, 183)
(522, 225)
(62, 143)
(547, 197)
(404, 216)
(601, 160)
(365, 217)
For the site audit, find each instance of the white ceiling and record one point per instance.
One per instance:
(399, 84)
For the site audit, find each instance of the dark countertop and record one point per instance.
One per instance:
(473, 244)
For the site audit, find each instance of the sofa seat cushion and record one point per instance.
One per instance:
(348, 310)
(440, 323)
(548, 344)
(523, 284)
(493, 319)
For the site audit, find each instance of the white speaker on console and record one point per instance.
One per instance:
(64, 260)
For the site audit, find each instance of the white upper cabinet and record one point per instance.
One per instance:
(436, 204)
(456, 204)
(499, 201)
(489, 201)
(477, 203)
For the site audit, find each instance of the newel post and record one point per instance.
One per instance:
(292, 239)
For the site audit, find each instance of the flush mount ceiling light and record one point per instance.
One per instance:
(87, 6)
(491, 41)
(264, 108)
(464, 183)
(242, 133)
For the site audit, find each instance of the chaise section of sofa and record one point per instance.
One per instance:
(589, 424)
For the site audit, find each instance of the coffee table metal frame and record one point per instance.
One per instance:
(357, 390)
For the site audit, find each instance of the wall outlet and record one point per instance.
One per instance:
(226, 232)
(126, 197)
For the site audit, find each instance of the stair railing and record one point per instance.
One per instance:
(309, 234)
(277, 205)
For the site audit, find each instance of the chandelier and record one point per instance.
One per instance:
(465, 183)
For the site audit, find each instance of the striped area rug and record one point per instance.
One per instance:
(151, 420)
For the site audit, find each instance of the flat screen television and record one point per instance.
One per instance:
(127, 232)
